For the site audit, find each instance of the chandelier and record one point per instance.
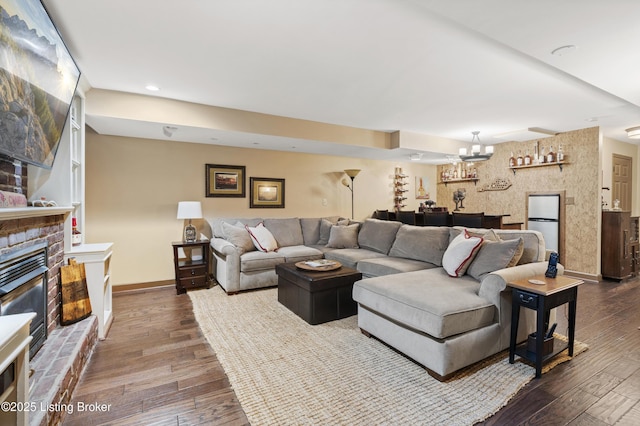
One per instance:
(476, 153)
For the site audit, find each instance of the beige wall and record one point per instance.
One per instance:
(581, 179)
(133, 187)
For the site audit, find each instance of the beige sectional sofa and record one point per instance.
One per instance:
(406, 299)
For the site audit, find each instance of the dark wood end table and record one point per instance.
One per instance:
(317, 296)
(191, 273)
(542, 298)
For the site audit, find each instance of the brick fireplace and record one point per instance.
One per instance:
(58, 365)
(24, 232)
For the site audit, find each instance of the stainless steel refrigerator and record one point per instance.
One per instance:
(543, 214)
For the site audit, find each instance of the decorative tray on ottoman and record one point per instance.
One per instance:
(319, 265)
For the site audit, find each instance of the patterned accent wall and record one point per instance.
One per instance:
(579, 178)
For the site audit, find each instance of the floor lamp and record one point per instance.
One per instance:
(352, 173)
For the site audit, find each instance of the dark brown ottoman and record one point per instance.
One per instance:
(317, 296)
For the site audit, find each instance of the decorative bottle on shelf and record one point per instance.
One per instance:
(551, 156)
(512, 160)
(464, 173)
(543, 158)
(76, 236)
(527, 159)
(560, 154)
(519, 160)
(536, 159)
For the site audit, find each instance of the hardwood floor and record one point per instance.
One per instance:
(156, 368)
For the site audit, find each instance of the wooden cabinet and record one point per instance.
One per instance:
(192, 265)
(619, 239)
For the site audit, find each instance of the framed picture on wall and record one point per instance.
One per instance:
(225, 181)
(266, 193)
(422, 185)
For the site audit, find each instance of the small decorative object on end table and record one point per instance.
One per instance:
(191, 272)
(542, 294)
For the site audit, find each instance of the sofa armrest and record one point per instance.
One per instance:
(495, 282)
(223, 246)
(226, 264)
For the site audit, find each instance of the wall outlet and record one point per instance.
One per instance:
(324, 202)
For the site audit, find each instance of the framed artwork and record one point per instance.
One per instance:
(225, 181)
(422, 185)
(266, 193)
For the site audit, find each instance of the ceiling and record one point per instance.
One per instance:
(435, 67)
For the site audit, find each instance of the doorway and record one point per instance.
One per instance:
(621, 181)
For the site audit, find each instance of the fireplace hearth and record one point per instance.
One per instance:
(23, 288)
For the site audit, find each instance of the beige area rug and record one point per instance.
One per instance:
(287, 372)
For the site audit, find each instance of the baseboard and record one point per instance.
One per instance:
(143, 286)
(583, 276)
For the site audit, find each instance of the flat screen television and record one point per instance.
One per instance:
(38, 78)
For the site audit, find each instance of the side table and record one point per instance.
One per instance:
(190, 272)
(542, 298)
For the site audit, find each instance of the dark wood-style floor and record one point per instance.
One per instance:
(156, 368)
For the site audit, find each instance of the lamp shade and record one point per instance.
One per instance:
(189, 210)
(352, 172)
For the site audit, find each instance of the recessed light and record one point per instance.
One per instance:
(591, 119)
(152, 88)
(563, 50)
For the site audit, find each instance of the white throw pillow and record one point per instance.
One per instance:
(262, 238)
(460, 254)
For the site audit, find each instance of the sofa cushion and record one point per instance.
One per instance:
(424, 243)
(378, 235)
(460, 254)
(495, 255)
(262, 238)
(238, 236)
(258, 260)
(311, 229)
(351, 257)
(299, 253)
(343, 236)
(390, 265)
(216, 224)
(286, 231)
(453, 305)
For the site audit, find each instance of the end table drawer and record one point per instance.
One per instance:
(199, 281)
(192, 271)
(527, 299)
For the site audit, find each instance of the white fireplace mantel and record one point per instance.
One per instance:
(26, 212)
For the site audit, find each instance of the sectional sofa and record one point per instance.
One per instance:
(414, 295)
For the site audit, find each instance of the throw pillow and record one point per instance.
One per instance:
(460, 254)
(343, 236)
(238, 236)
(494, 255)
(518, 254)
(262, 239)
(325, 231)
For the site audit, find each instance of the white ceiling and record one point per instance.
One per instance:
(436, 67)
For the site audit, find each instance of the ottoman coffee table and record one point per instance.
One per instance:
(319, 295)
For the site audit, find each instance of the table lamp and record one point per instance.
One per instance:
(189, 210)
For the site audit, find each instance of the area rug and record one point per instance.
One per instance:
(287, 372)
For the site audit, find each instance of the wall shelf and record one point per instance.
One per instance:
(557, 163)
(474, 180)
